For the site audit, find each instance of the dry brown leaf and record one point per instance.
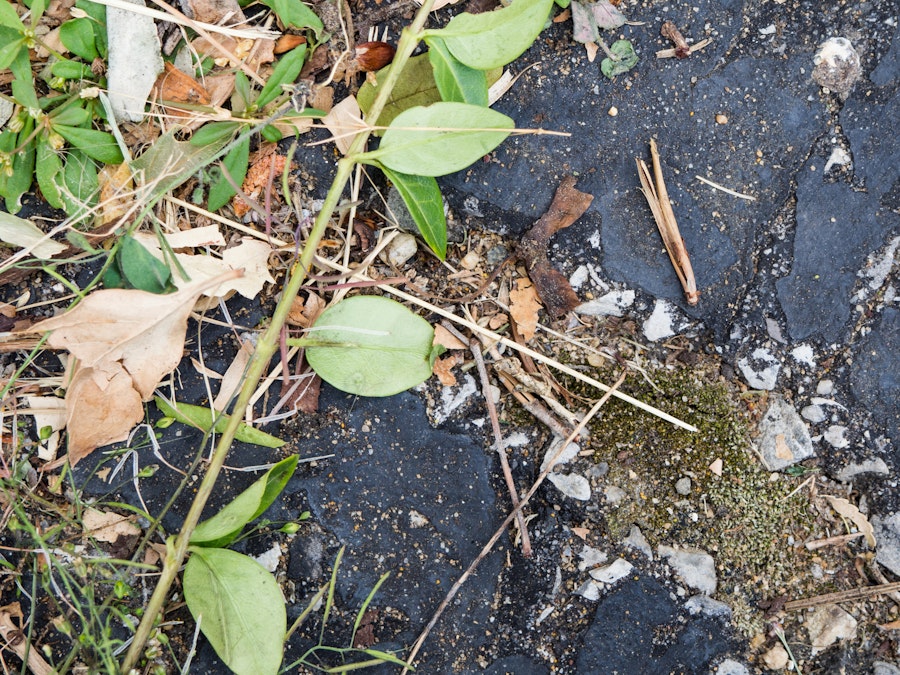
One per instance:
(214, 11)
(208, 235)
(233, 376)
(523, 307)
(847, 510)
(108, 526)
(266, 167)
(304, 313)
(123, 343)
(446, 339)
(443, 368)
(344, 121)
(116, 192)
(581, 532)
(179, 87)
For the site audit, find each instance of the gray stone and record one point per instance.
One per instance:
(828, 624)
(783, 437)
(613, 303)
(883, 668)
(825, 388)
(760, 369)
(836, 436)
(614, 494)
(732, 667)
(661, 323)
(610, 574)
(703, 604)
(887, 534)
(813, 413)
(695, 567)
(683, 486)
(589, 590)
(875, 465)
(591, 557)
(571, 485)
(638, 541)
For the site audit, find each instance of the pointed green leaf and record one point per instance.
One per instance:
(493, 39)
(98, 145)
(141, 269)
(14, 186)
(10, 19)
(370, 346)
(73, 116)
(440, 139)
(49, 172)
(239, 607)
(81, 185)
(286, 70)
(71, 70)
(456, 81)
(214, 133)
(235, 163)
(202, 418)
(295, 13)
(11, 43)
(226, 525)
(422, 197)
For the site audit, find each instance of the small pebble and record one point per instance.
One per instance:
(683, 486)
(470, 261)
(613, 111)
(813, 413)
(825, 388)
(721, 119)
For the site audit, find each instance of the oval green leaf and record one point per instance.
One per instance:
(48, 170)
(226, 525)
(286, 70)
(78, 37)
(235, 163)
(423, 200)
(98, 145)
(370, 346)
(456, 81)
(440, 139)
(239, 607)
(493, 39)
(143, 271)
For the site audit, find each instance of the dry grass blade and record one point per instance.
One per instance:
(658, 199)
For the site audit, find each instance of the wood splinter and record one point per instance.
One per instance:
(658, 199)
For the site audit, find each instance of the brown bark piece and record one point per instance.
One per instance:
(553, 288)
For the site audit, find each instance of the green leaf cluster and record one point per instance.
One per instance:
(438, 119)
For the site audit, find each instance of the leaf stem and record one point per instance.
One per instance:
(268, 344)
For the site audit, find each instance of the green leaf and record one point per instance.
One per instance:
(271, 133)
(493, 39)
(202, 418)
(81, 185)
(71, 70)
(226, 525)
(96, 144)
(452, 136)
(455, 80)
(286, 70)
(11, 42)
(49, 172)
(239, 607)
(422, 197)
(168, 162)
(10, 19)
(295, 13)
(370, 346)
(235, 163)
(214, 133)
(13, 187)
(416, 87)
(23, 83)
(141, 269)
(627, 59)
(73, 116)
(242, 91)
(78, 37)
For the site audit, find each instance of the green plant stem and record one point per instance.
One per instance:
(268, 344)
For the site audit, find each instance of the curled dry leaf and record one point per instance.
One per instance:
(847, 510)
(108, 526)
(344, 121)
(116, 192)
(524, 307)
(446, 339)
(443, 369)
(123, 343)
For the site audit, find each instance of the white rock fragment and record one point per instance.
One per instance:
(703, 604)
(776, 658)
(613, 303)
(804, 354)
(589, 590)
(591, 557)
(836, 436)
(837, 66)
(850, 472)
(614, 494)
(402, 247)
(452, 398)
(610, 574)
(783, 437)
(813, 413)
(661, 323)
(572, 485)
(695, 567)
(416, 519)
(270, 559)
(828, 624)
(135, 61)
(825, 387)
(579, 276)
(638, 541)
(732, 667)
(887, 534)
(760, 369)
(838, 156)
(567, 455)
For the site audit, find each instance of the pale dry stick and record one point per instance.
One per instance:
(12, 638)
(739, 195)
(661, 206)
(475, 348)
(843, 596)
(537, 409)
(509, 518)
(233, 224)
(838, 540)
(266, 348)
(875, 570)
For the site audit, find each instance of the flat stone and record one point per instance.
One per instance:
(760, 369)
(591, 557)
(836, 436)
(828, 624)
(732, 667)
(783, 437)
(695, 567)
(813, 413)
(614, 494)
(571, 485)
(703, 604)
(613, 303)
(887, 534)
(683, 486)
(610, 574)
(661, 323)
(875, 465)
(638, 542)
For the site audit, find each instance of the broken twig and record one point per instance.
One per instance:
(658, 199)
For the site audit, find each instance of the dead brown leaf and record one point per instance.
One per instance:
(849, 511)
(553, 288)
(122, 342)
(344, 121)
(524, 307)
(108, 526)
(448, 340)
(213, 11)
(174, 86)
(443, 368)
(304, 313)
(116, 193)
(266, 167)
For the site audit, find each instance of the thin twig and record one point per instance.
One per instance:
(843, 596)
(739, 195)
(475, 348)
(509, 518)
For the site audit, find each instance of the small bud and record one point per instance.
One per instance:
(372, 56)
(58, 83)
(16, 122)
(56, 141)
